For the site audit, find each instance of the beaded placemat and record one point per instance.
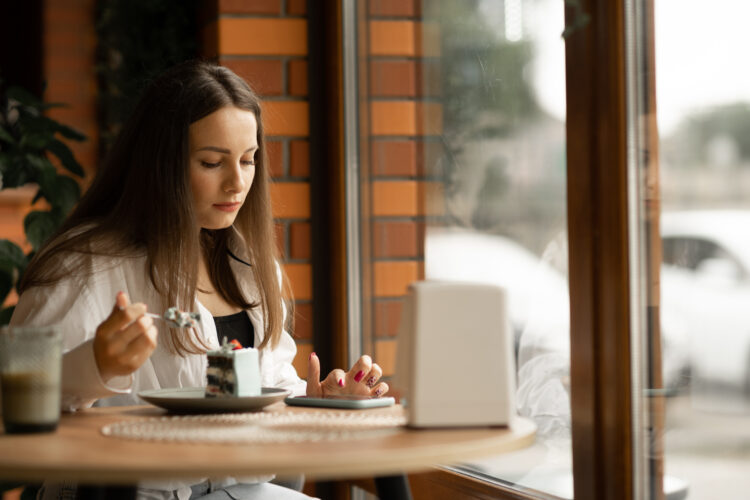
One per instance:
(260, 427)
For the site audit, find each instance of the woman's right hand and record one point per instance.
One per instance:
(125, 340)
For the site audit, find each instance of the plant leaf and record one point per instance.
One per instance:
(23, 96)
(35, 140)
(5, 136)
(67, 193)
(63, 152)
(14, 172)
(11, 256)
(39, 226)
(6, 314)
(44, 174)
(68, 132)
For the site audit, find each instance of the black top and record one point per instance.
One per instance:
(235, 326)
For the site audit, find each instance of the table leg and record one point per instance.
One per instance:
(393, 487)
(90, 492)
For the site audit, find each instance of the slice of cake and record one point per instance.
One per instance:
(232, 371)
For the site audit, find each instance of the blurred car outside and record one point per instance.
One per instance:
(705, 293)
(706, 283)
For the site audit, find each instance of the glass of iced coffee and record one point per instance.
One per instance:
(30, 373)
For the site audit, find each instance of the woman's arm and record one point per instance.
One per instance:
(96, 359)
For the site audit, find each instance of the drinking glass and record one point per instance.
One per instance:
(30, 374)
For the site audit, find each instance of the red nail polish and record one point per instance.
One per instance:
(359, 376)
(311, 356)
(341, 382)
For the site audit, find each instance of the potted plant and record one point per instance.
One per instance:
(27, 139)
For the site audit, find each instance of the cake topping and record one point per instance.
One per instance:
(181, 319)
(228, 347)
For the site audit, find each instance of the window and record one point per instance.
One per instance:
(694, 419)
(461, 156)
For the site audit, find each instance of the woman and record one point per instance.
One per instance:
(179, 215)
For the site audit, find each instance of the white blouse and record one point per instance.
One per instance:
(80, 302)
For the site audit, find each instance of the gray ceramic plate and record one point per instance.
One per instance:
(193, 400)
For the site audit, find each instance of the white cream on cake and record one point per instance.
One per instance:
(232, 371)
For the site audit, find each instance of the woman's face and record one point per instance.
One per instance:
(222, 164)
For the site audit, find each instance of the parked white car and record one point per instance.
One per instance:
(706, 283)
(705, 299)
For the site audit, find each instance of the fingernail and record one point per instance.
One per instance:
(371, 381)
(359, 376)
(378, 392)
(341, 382)
(311, 356)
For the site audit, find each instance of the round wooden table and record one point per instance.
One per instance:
(78, 451)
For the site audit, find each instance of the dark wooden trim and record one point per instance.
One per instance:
(601, 400)
(327, 183)
(450, 485)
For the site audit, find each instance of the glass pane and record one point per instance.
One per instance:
(698, 408)
(462, 163)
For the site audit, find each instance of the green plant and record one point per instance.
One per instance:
(27, 138)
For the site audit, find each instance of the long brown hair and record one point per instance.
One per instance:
(140, 202)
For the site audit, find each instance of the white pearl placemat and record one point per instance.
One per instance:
(261, 427)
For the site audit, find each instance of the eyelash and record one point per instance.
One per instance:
(217, 164)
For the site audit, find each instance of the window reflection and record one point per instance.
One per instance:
(503, 174)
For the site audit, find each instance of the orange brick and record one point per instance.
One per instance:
(404, 38)
(275, 153)
(393, 278)
(387, 318)
(252, 36)
(299, 240)
(395, 239)
(299, 158)
(392, 198)
(303, 320)
(394, 8)
(252, 7)
(265, 76)
(393, 118)
(290, 199)
(296, 7)
(75, 17)
(286, 118)
(394, 158)
(301, 358)
(393, 78)
(392, 38)
(300, 278)
(406, 118)
(297, 77)
(385, 356)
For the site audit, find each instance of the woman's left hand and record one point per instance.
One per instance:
(361, 380)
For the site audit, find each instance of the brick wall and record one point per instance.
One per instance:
(69, 44)
(265, 42)
(405, 125)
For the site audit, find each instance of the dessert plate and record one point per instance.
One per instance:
(193, 400)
